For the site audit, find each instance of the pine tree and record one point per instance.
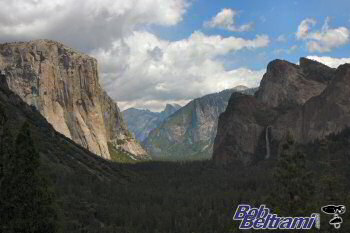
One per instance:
(332, 181)
(3, 145)
(294, 188)
(6, 150)
(27, 200)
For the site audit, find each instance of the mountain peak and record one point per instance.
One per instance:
(304, 61)
(240, 88)
(279, 67)
(171, 108)
(316, 71)
(142, 121)
(285, 83)
(47, 46)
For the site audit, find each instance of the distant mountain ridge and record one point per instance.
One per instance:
(189, 133)
(141, 122)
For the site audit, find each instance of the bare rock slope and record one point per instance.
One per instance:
(63, 85)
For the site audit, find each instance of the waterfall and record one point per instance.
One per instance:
(267, 140)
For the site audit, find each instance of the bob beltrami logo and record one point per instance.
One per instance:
(261, 218)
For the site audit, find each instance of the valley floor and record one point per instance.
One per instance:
(200, 197)
(98, 196)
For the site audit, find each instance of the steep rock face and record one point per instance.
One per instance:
(322, 115)
(141, 122)
(64, 157)
(189, 133)
(309, 101)
(64, 86)
(240, 127)
(286, 84)
(330, 112)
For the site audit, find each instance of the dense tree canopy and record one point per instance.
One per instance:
(27, 200)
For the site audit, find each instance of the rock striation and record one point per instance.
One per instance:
(63, 85)
(309, 101)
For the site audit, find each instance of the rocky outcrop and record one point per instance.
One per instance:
(320, 116)
(141, 122)
(189, 133)
(240, 129)
(63, 85)
(308, 101)
(286, 84)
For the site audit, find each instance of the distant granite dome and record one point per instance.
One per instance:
(189, 133)
(170, 109)
(63, 85)
(240, 88)
(142, 122)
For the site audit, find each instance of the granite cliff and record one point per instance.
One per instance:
(63, 85)
(308, 101)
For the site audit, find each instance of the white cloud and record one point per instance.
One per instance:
(330, 61)
(84, 24)
(138, 68)
(226, 19)
(304, 28)
(324, 40)
(290, 50)
(145, 70)
(282, 38)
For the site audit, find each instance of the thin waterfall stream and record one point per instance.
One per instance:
(267, 140)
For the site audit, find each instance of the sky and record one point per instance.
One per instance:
(153, 52)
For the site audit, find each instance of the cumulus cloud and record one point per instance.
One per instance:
(226, 19)
(304, 28)
(325, 39)
(143, 69)
(330, 61)
(84, 24)
(138, 68)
